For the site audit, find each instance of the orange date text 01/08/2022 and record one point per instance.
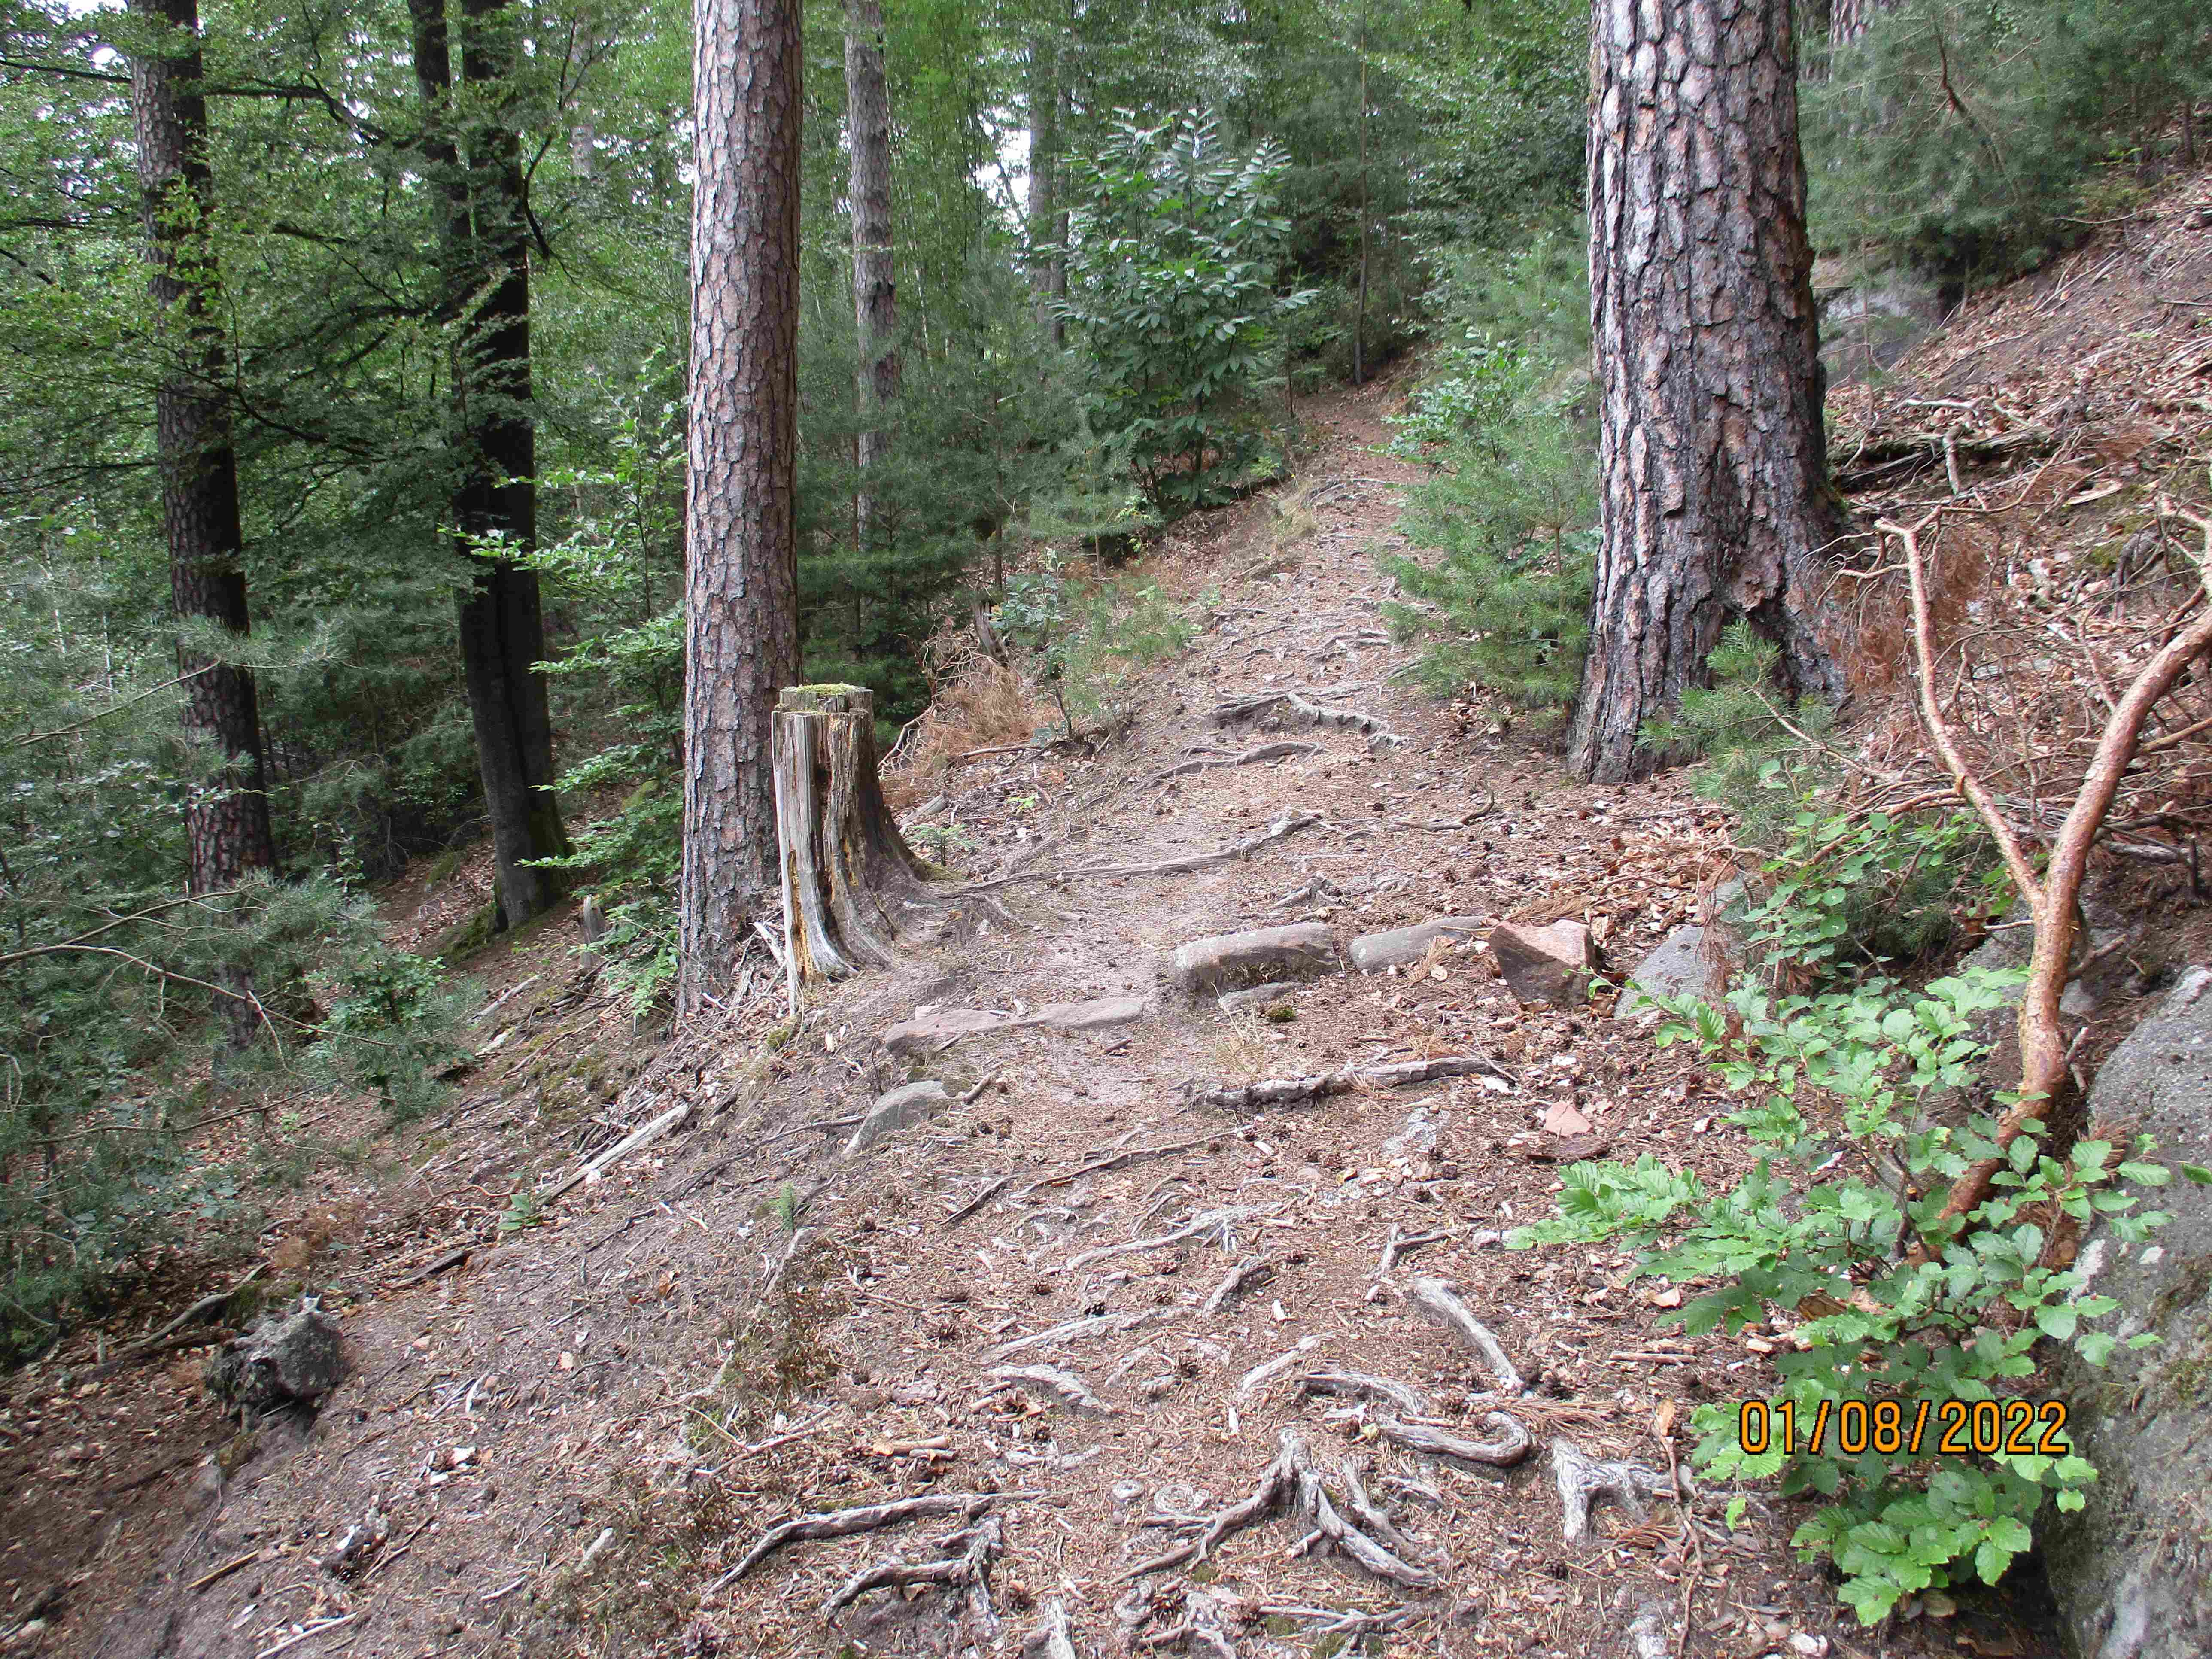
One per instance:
(1925, 1428)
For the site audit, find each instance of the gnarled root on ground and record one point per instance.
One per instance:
(1293, 1485)
(964, 1567)
(1584, 1481)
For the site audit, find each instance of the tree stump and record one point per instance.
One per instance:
(847, 871)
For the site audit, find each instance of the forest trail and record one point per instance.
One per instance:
(565, 1442)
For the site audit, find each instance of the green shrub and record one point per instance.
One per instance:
(1172, 254)
(1824, 1229)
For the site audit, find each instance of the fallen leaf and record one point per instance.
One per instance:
(1564, 1120)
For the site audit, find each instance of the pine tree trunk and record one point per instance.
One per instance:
(875, 292)
(485, 233)
(741, 643)
(845, 866)
(227, 820)
(1712, 465)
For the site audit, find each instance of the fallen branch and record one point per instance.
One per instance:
(1254, 1096)
(1253, 1270)
(1584, 1480)
(1064, 1386)
(1290, 1485)
(1510, 1447)
(1397, 1246)
(629, 1143)
(1118, 1161)
(1435, 1299)
(991, 1190)
(2054, 900)
(1289, 824)
(865, 1518)
(1267, 1371)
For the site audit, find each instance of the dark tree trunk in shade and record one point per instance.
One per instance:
(875, 292)
(227, 820)
(484, 231)
(1712, 464)
(741, 640)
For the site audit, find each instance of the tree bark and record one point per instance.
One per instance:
(227, 820)
(741, 640)
(1713, 482)
(875, 291)
(485, 243)
(1048, 272)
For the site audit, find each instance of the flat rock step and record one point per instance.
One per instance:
(896, 1110)
(938, 1029)
(1303, 950)
(1401, 947)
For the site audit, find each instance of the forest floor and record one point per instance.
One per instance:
(569, 1421)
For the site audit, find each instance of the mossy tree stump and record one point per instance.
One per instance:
(847, 871)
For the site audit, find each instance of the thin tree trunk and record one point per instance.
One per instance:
(875, 291)
(484, 235)
(1713, 467)
(741, 641)
(1359, 316)
(1048, 272)
(226, 822)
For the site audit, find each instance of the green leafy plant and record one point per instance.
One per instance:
(1840, 1228)
(1172, 254)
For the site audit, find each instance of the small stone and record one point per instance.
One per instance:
(1809, 1645)
(1258, 999)
(935, 1029)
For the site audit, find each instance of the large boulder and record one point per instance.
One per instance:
(1680, 966)
(1303, 950)
(2132, 1572)
(284, 1358)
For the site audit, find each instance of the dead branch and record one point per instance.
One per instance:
(1268, 1369)
(1254, 1096)
(1398, 1246)
(1119, 1161)
(1289, 824)
(1358, 1385)
(2054, 901)
(1510, 1447)
(865, 1517)
(991, 1190)
(1290, 1485)
(1436, 1299)
(1584, 1481)
(1064, 1386)
(1253, 1270)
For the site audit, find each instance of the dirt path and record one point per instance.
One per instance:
(567, 1442)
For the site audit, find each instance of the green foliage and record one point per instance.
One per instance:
(1084, 640)
(1171, 262)
(1974, 139)
(1512, 504)
(1824, 1229)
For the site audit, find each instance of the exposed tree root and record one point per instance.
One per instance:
(1051, 1639)
(1289, 824)
(1435, 1299)
(1253, 1270)
(865, 1518)
(1071, 1330)
(1278, 1091)
(1207, 1224)
(1379, 737)
(1358, 1385)
(969, 1571)
(1584, 1481)
(1066, 1386)
(1510, 1447)
(1253, 756)
(1291, 1486)
(1342, 1621)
